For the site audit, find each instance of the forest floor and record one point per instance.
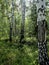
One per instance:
(18, 54)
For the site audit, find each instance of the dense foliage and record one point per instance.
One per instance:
(16, 53)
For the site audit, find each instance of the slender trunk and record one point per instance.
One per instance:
(41, 22)
(12, 24)
(10, 37)
(23, 20)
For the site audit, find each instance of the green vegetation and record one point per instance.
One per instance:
(12, 52)
(16, 54)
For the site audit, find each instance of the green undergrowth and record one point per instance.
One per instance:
(18, 54)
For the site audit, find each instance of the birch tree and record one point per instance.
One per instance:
(23, 20)
(33, 17)
(41, 22)
(12, 24)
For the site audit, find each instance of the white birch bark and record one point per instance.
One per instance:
(41, 22)
(23, 19)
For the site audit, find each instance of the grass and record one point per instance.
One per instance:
(17, 54)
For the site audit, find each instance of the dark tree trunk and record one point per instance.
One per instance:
(10, 38)
(22, 35)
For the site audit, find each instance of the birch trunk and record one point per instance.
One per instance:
(41, 22)
(23, 20)
(12, 24)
